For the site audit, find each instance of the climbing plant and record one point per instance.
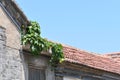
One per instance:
(32, 36)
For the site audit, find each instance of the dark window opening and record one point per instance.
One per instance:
(36, 74)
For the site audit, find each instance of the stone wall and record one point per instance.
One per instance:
(2, 52)
(11, 59)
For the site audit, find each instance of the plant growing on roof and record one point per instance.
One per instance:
(31, 36)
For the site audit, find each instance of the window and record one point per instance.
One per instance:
(36, 74)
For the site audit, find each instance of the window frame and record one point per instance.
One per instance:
(37, 70)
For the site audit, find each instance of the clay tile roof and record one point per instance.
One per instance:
(81, 57)
(115, 56)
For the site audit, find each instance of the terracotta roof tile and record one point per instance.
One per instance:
(74, 55)
(115, 56)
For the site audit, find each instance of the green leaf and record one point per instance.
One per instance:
(38, 44)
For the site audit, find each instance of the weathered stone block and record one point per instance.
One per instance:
(11, 68)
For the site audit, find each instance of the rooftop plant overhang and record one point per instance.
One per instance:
(37, 44)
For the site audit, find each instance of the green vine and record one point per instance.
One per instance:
(31, 36)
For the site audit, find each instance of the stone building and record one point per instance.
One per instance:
(17, 64)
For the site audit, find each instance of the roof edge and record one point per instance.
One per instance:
(14, 13)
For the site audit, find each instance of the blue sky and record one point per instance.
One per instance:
(91, 25)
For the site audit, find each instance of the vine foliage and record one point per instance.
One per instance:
(31, 36)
